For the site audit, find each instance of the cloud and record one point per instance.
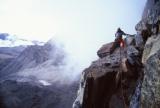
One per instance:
(60, 67)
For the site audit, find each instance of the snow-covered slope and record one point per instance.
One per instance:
(7, 40)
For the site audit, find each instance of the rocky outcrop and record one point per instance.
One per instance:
(111, 80)
(129, 81)
(104, 50)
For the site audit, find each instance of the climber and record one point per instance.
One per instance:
(118, 41)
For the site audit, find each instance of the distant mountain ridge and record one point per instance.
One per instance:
(31, 57)
(36, 76)
(7, 54)
(11, 46)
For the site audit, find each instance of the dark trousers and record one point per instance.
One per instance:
(115, 45)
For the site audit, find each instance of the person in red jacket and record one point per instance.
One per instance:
(118, 42)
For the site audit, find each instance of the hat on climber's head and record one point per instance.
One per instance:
(119, 29)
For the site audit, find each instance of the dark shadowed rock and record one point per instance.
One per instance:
(14, 94)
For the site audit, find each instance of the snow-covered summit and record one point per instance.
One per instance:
(7, 40)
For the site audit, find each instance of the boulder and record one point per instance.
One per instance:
(104, 50)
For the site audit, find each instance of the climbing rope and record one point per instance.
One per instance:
(120, 73)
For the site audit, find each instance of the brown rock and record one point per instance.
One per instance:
(104, 50)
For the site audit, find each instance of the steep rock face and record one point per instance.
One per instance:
(151, 9)
(151, 57)
(149, 5)
(139, 84)
(151, 83)
(111, 80)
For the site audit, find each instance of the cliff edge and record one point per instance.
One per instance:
(129, 77)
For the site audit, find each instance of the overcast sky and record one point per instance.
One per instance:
(82, 25)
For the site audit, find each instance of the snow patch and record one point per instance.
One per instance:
(45, 83)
